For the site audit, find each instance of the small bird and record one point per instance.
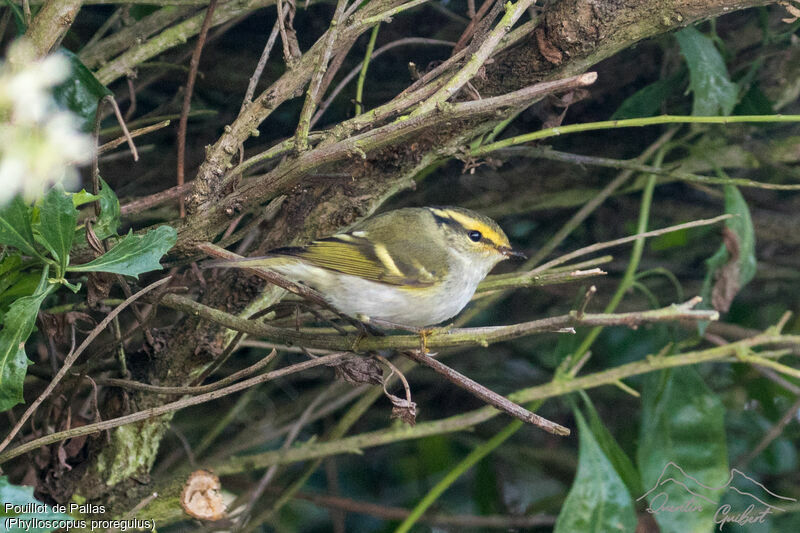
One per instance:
(416, 266)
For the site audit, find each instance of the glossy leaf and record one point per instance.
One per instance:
(17, 326)
(15, 227)
(133, 254)
(81, 92)
(647, 101)
(18, 495)
(109, 220)
(682, 453)
(598, 500)
(57, 219)
(742, 225)
(83, 197)
(9, 266)
(714, 93)
(20, 284)
(721, 268)
(611, 448)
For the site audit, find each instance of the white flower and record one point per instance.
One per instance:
(40, 144)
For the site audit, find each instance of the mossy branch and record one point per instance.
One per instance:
(439, 338)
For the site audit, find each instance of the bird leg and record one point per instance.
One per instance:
(423, 332)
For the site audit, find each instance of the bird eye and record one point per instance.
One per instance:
(474, 235)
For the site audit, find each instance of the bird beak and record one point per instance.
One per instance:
(512, 254)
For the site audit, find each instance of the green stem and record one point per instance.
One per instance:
(364, 66)
(489, 446)
(468, 462)
(464, 421)
(629, 123)
(630, 272)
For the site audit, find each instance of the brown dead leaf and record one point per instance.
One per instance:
(403, 409)
(550, 52)
(358, 370)
(98, 287)
(202, 497)
(726, 284)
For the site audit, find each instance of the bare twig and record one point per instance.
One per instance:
(72, 357)
(469, 31)
(199, 389)
(110, 145)
(132, 96)
(477, 59)
(555, 388)
(487, 395)
(313, 93)
(357, 69)
(287, 442)
(194, 65)
(166, 408)
(110, 99)
(262, 61)
(636, 165)
(609, 244)
(155, 199)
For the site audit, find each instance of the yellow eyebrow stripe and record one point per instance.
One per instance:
(471, 223)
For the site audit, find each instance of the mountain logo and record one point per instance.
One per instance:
(674, 481)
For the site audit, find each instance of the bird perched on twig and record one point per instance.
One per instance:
(416, 266)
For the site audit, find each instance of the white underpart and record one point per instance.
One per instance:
(412, 307)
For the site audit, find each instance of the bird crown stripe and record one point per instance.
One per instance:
(469, 223)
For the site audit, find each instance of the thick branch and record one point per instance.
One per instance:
(51, 23)
(439, 338)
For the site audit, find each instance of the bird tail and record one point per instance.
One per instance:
(265, 261)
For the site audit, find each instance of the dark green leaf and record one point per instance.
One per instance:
(17, 327)
(81, 92)
(15, 227)
(742, 225)
(18, 495)
(754, 102)
(682, 437)
(19, 284)
(647, 101)
(57, 219)
(9, 267)
(133, 254)
(138, 12)
(598, 500)
(109, 219)
(618, 458)
(714, 92)
(726, 275)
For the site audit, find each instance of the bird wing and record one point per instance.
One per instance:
(352, 254)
